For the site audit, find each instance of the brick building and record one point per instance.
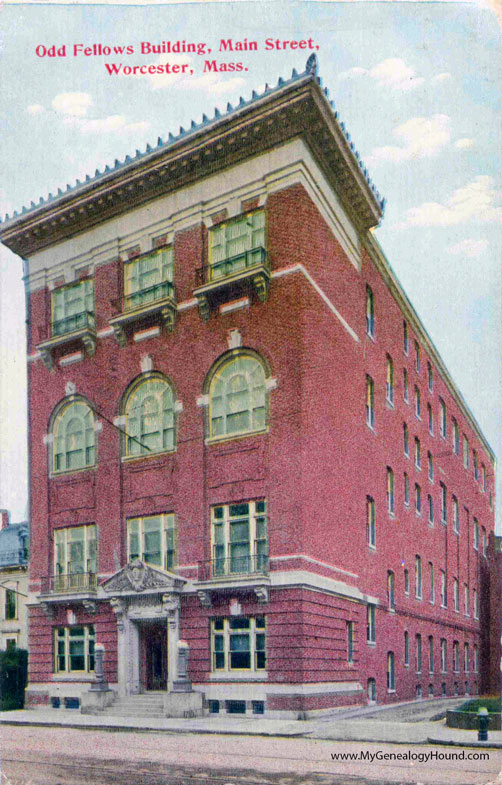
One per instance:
(241, 435)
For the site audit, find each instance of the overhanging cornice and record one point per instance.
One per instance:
(298, 108)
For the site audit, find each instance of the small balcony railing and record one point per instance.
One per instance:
(151, 294)
(71, 324)
(234, 565)
(70, 583)
(210, 273)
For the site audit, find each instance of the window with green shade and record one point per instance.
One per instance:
(149, 418)
(74, 649)
(73, 307)
(239, 538)
(75, 550)
(153, 540)
(10, 604)
(238, 397)
(238, 644)
(74, 437)
(148, 278)
(237, 245)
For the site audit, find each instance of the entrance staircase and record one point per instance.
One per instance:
(146, 705)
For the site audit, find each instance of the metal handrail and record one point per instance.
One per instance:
(71, 324)
(234, 565)
(148, 295)
(70, 582)
(256, 257)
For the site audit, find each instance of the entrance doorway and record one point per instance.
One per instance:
(154, 656)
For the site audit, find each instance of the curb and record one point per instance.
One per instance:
(485, 745)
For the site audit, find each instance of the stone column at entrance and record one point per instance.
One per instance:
(171, 607)
(118, 608)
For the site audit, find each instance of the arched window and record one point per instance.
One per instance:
(149, 417)
(74, 437)
(237, 396)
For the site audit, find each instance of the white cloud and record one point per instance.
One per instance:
(213, 84)
(420, 137)
(444, 77)
(476, 202)
(35, 109)
(395, 75)
(103, 125)
(72, 104)
(160, 81)
(464, 144)
(471, 248)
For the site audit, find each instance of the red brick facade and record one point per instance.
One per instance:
(316, 465)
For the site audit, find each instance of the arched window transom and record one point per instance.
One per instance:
(238, 397)
(74, 437)
(149, 418)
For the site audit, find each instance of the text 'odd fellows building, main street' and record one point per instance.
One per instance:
(255, 487)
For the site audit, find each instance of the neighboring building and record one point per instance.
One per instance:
(14, 583)
(241, 435)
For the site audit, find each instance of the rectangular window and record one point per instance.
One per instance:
(418, 653)
(417, 403)
(475, 607)
(391, 680)
(430, 377)
(73, 307)
(406, 440)
(390, 491)
(406, 490)
(75, 557)
(465, 442)
(430, 418)
(389, 386)
(483, 477)
(444, 655)
(405, 386)
(444, 512)
(418, 577)
(350, 641)
(455, 595)
(432, 596)
(390, 590)
(370, 402)
(484, 542)
(456, 658)
(238, 644)
(417, 357)
(442, 418)
(239, 538)
(476, 466)
(370, 313)
(418, 499)
(10, 604)
(455, 436)
(430, 503)
(466, 599)
(406, 583)
(476, 659)
(406, 649)
(475, 525)
(444, 598)
(418, 453)
(370, 624)
(370, 522)
(237, 245)
(455, 514)
(149, 278)
(406, 338)
(430, 467)
(153, 540)
(74, 649)
(431, 654)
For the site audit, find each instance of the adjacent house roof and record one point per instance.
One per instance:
(14, 545)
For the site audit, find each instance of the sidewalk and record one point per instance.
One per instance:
(335, 727)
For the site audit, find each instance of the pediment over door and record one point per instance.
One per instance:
(137, 577)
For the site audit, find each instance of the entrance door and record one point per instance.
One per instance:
(154, 639)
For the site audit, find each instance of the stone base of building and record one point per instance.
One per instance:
(94, 702)
(183, 704)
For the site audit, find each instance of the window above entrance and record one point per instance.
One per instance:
(153, 540)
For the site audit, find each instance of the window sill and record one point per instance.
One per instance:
(390, 404)
(371, 336)
(371, 643)
(391, 692)
(239, 676)
(372, 548)
(70, 677)
(370, 427)
(391, 610)
(233, 436)
(55, 475)
(149, 455)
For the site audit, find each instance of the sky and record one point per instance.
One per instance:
(416, 84)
